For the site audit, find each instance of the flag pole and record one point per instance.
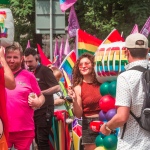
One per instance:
(51, 32)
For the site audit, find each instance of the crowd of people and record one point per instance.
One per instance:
(33, 92)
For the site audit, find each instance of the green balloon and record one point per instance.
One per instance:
(110, 142)
(99, 141)
(112, 88)
(104, 88)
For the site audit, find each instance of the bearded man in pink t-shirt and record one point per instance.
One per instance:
(19, 104)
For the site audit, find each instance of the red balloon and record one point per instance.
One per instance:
(106, 103)
(95, 125)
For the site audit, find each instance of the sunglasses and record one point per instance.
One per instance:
(81, 65)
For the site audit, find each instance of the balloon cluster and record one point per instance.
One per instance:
(108, 110)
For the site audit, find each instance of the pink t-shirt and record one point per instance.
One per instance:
(20, 114)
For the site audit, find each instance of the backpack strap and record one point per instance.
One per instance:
(141, 69)
(124, 128)
(134, 116)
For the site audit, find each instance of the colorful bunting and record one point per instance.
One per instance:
(44, 60)
(146, 28)
(86, 43)
(73, 23)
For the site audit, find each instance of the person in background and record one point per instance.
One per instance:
(58, 97)
(6, 80)
(130, 97)
(48, 85)
(86, 95)
(19, 103)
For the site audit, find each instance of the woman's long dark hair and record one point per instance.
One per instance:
(77, 76)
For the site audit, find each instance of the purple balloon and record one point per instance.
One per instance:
(102, 116)
(110, 114)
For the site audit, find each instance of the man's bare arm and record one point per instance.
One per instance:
(8, 75)
(51, 90)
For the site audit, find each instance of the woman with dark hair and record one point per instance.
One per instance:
(86, 95)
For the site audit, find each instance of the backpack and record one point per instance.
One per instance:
(144, 119)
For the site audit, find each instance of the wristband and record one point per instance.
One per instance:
(107, 128)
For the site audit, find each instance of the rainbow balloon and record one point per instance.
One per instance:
(7, 27)
(110, 60)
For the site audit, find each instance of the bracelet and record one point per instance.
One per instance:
(107, 128)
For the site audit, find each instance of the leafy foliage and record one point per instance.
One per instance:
(97, 17)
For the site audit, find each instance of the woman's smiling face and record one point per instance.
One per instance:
(85, 66)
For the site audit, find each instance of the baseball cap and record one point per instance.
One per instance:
(136, 40)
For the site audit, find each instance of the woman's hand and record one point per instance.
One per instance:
(71, 93)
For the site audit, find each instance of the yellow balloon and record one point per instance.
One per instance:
(100, 148)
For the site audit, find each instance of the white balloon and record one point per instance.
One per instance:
(6, 27)
(110, 60)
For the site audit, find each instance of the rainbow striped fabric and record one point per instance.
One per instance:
(67, 80)
(68, 63)
(86, 43)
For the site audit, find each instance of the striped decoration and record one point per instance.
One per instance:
(110, 60)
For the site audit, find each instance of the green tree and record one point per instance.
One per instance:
(97, 17)
(24, 20)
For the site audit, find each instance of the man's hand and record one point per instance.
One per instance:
(34, 102)
(2, 49)
(104, 131)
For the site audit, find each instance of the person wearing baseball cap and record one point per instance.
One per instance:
(130, 97)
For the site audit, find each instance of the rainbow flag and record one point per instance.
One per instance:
(86, 43)
(65, 4)
(67, 80)
(68, 63)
